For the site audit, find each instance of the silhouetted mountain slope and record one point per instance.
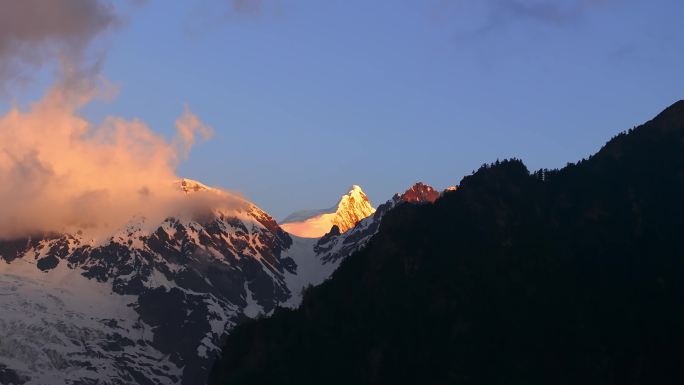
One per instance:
(560, 277)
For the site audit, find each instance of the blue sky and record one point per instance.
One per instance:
(308, 97)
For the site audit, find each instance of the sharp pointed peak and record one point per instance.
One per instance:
(351, 208)
(355, 188)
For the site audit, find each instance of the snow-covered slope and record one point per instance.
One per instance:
(351, 208)
(62, 328)
(151, 304)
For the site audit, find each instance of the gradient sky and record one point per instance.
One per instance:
(307, 97)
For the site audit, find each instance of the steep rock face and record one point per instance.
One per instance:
(350, 210)
(420, 193)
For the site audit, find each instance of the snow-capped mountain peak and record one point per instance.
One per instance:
(349, 210)
(352, 208)
(189, 185)
(191, 275)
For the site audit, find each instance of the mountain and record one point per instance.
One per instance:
(153, 302)
(150, 304)
(420, 193)
(350, 209)
(336, 245)
(568, 276)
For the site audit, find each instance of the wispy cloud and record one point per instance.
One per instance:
(35, 32)
(245, 6)
(206, 15)
(189, 129)
(486, 16)
(557, 11)
(543, 11)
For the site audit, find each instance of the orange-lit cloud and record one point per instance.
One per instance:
(59, 172)
(189, 127)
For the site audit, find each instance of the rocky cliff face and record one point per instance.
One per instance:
(420, 193)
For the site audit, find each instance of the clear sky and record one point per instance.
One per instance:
(308, 97)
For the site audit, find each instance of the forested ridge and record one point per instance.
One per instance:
(570, 276)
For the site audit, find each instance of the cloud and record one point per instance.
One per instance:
(205, 15)
(60, 172)
(484, 16)
(35, 32)
(245, 6)
(553, 11)
(189, 127)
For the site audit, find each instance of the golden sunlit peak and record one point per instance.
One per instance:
(350, 209)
